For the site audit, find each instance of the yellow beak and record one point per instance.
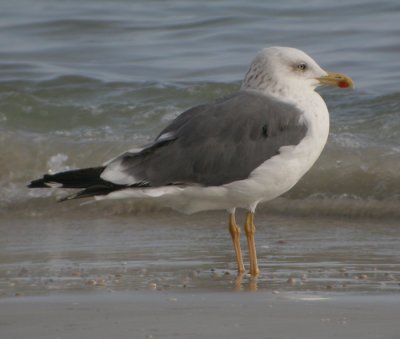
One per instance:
(337, 80)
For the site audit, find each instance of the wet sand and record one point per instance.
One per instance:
(201, 315)
(98, 271)
(73, 248)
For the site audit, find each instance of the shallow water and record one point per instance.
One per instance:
(82, 81)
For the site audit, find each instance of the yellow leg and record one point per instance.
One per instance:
(250, 230)
(234, 230)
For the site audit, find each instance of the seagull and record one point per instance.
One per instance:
(236, 152)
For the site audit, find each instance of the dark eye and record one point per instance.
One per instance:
(302, 66)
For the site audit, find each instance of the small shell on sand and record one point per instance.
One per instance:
(152, 286)
(291, 281)
(100, 282)
(362, 277)
(91, 282)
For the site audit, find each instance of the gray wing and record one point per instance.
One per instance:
(213, 144)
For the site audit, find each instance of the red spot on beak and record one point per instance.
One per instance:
(343, 84)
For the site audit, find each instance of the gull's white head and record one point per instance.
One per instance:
(282, 71)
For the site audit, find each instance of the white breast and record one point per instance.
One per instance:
(281, 172)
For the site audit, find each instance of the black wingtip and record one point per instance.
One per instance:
(80, 178)
(38, 183)
(87, 178)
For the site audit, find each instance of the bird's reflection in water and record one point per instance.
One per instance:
(245, 282)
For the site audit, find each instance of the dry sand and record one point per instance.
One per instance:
(161, 314)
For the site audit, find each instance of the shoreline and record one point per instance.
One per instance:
(191, 253)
